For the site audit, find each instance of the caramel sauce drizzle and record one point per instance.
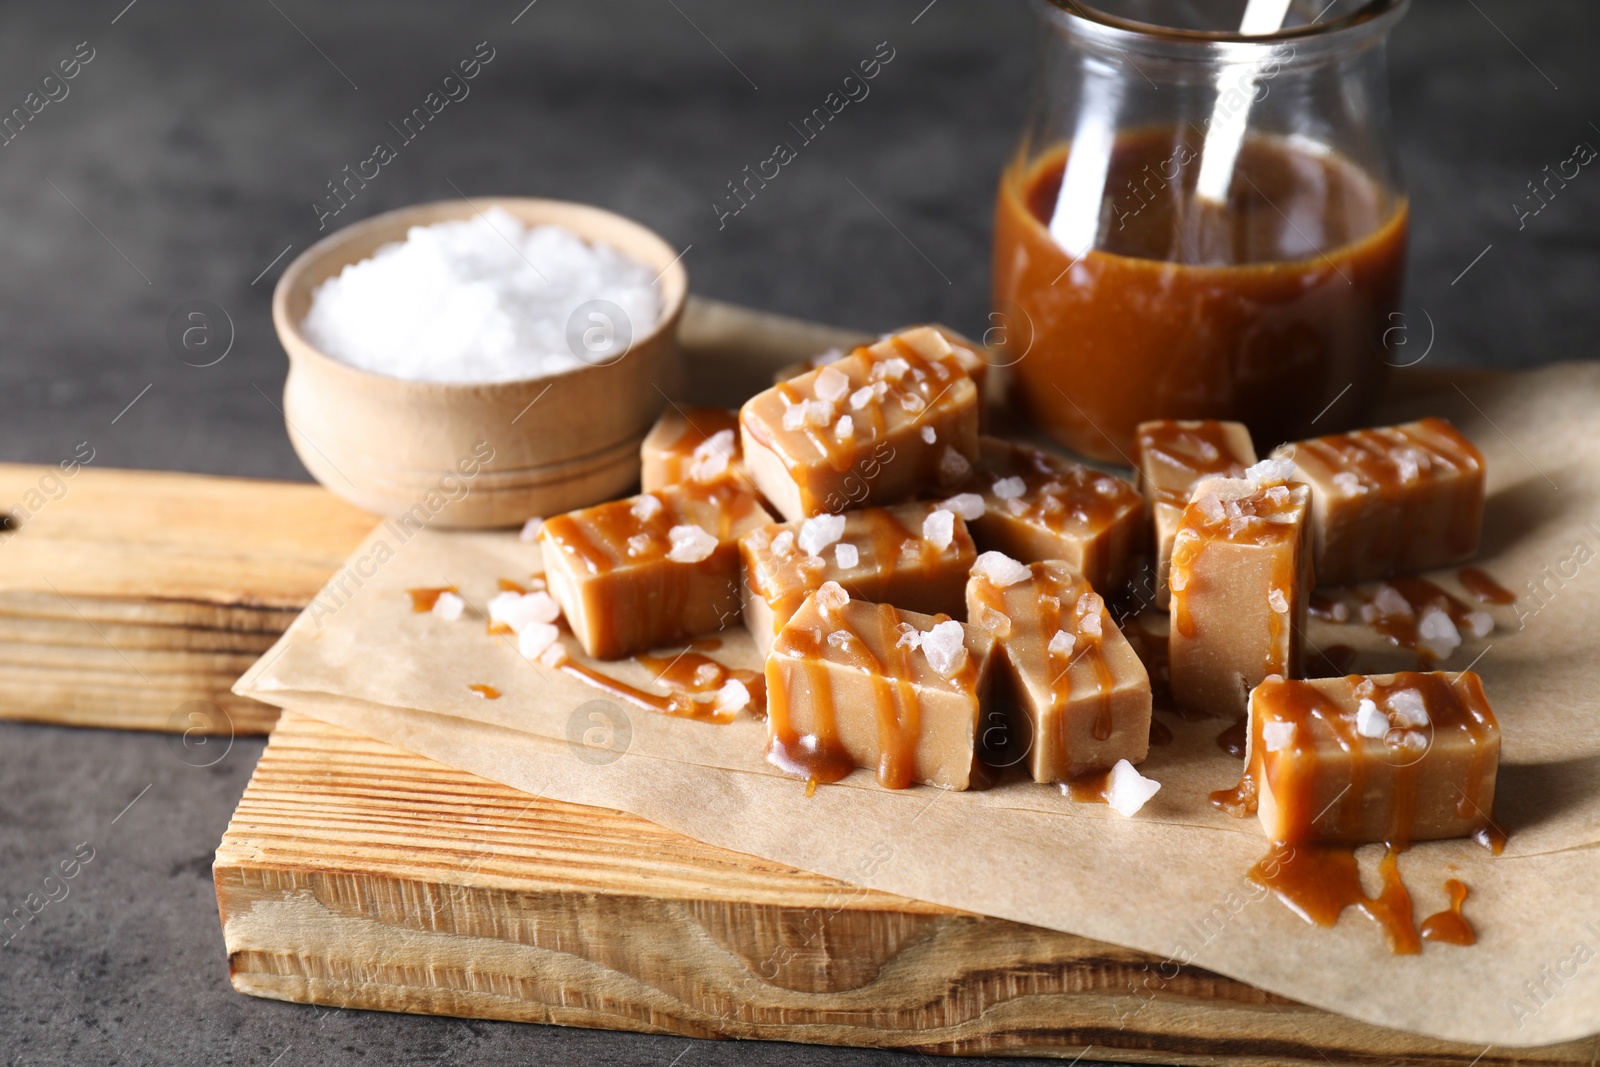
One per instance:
(1450, 927)
(1260, 529)
(1231, 740)
(882, 540)
(1312, 871)
(1045, 597)
(1317, 882)
(685, 675)
(487, 692)
(1373, 457)
(1092, 787)
(1059, 495)
(925, 379)
(611, 535)
(700, 425)
(1488, 591)
(1419, 593)
(1197, 449)
(423, 599)
(820, 756)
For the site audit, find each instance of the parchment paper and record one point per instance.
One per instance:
(1171, 881)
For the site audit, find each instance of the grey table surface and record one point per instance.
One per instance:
(184, 162)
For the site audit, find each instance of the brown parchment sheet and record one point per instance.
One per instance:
(1171, 881)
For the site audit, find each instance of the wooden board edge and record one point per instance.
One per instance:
(319, 921)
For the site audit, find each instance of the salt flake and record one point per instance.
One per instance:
(939, 528)
(1128, 790)
(690, 544)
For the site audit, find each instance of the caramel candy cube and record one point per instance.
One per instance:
(915, 556)
(1170, 457)
(972, 356)
(885, 424)
(1391, 758)
(1241, 583)
(1083, 692)
(698, 445)
(635, 574)
(1391, 500)
(1039, 507)
(856, 684)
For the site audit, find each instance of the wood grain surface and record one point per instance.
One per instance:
(354, 874)
(135, 599)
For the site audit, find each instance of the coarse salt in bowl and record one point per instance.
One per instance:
(436, 378)
(483, 299)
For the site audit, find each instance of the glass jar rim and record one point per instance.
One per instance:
(1084, 17)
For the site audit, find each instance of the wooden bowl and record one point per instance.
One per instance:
(476, 455)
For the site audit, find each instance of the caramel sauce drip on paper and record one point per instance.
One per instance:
(1093, 787)
(1481, 585)
(1317, 882)
(1318, 879)
(1231, 740)
(487, 692)
(424, 599)
(1450, 927)
(1419, 594)
(685, 676)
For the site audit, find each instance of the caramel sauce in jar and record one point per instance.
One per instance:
(1260, 310)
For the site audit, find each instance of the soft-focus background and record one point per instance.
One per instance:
(185, 161)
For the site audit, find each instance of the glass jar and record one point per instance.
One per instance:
(1199, 223)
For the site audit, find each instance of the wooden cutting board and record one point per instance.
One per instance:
(135, 599)
(354, 874)
(358, 875)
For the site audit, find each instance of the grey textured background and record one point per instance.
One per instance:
(186, 158)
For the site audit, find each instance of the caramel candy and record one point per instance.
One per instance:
(1391, 500)
(1392, 758)
(1039, 507)
(972, 356)
(915, 556)
(1241, 583)
(1083, 691)
(855, 684)
(634, 574)
(692, 445)
(1170, 456)
(885, 424)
